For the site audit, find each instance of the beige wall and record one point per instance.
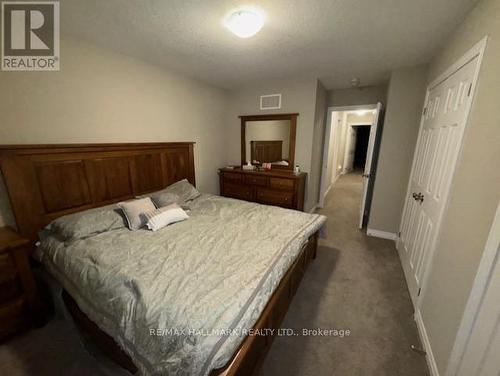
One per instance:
(475, 190)
(399, 135)
(101, 96)
(297, 96)
(364, 119)
(362, 95)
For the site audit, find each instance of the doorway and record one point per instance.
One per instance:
(362, 137)
(349, 146)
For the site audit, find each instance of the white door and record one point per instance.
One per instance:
(438, 145)
(368, 165)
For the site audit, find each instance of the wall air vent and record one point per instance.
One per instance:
(270, 102)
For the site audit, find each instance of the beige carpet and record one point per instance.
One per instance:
(356, 283)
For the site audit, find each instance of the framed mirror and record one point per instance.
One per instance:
(269, 139)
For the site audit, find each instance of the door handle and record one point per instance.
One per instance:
(418, 197)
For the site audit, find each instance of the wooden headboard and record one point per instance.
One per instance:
(47, 181)
(266, 151)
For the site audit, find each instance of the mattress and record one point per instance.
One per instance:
(181, 300)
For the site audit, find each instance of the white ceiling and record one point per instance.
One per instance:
(334, 40)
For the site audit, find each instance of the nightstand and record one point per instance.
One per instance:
(19, 301)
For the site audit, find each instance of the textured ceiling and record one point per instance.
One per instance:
(330, 39)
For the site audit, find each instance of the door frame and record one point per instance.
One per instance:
(481, 283)
(370, 166)
(326, 143)
(476, 51)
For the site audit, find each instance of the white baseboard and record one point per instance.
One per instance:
(381, 234)
(431, 362)
(328, 190)
(313, 209)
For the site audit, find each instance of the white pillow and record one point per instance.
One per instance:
(162, 217)
(135, 211)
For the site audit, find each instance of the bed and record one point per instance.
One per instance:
(187, 299)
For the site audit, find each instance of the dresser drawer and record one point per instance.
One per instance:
(240, 192)
(231, 177)
(280, 183)
(279, 188)
(275, 197)
(256, 180)
(7, 268)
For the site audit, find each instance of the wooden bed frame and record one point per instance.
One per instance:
(47, 181)
(266, 151)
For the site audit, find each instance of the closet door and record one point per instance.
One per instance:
(438, 146)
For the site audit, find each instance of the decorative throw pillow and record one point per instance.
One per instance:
(162, 199)
(184, 189)
(135, 211)
(165, 216)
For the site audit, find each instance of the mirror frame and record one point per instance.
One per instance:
(269, 117)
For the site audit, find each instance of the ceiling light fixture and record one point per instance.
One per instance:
(244, 23)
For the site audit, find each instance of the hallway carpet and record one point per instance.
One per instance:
(356, 283)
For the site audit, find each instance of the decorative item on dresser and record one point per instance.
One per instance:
(19, 303)
(276, 187)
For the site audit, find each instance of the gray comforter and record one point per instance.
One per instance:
(179, 300)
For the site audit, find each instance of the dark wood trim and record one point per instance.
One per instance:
(243, 141)
(21, 306)
(249, 357)
(268, 117)
(273, 187)
(271, 173)
(47, 181)
(291, 142)
(92, 146)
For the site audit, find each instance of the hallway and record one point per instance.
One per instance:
(356, 283)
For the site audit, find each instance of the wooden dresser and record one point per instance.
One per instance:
(18, 293)
(276, 187)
